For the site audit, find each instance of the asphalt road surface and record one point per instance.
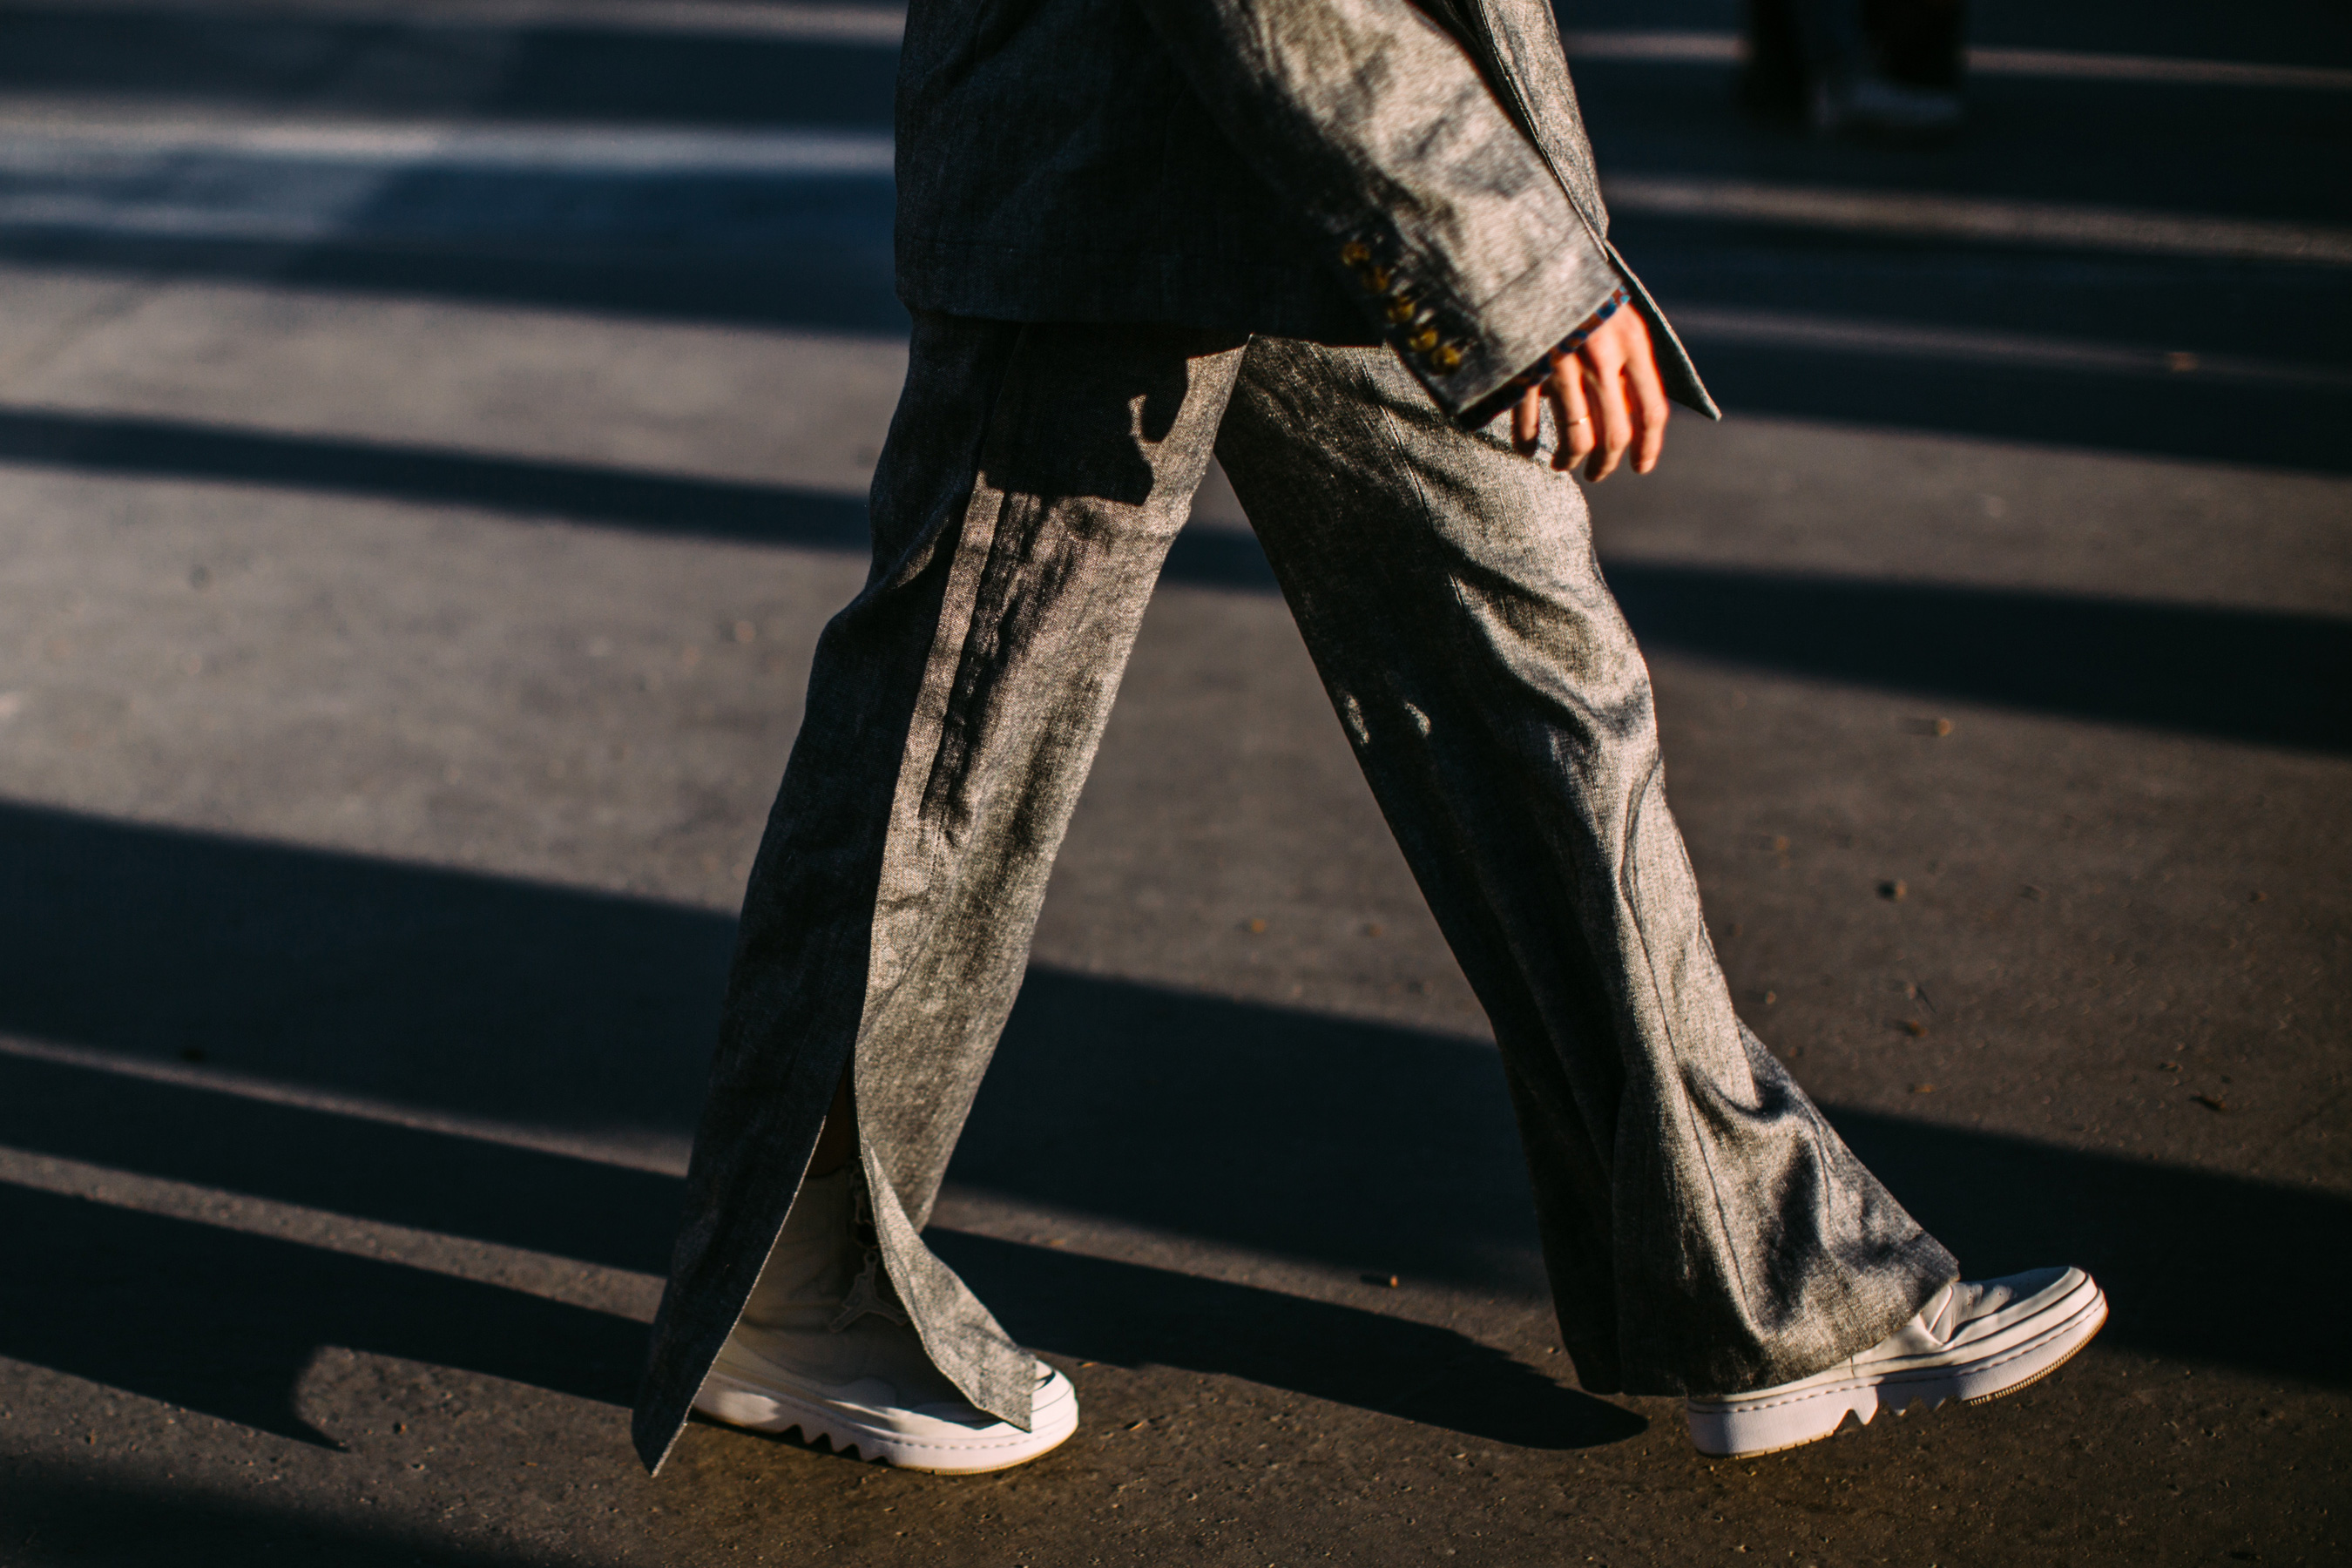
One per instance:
(431, 437)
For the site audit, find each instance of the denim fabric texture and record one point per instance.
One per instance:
(1704, 1228)
(1346, 170)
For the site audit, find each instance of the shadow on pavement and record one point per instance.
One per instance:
(1129, 1315)
(1359, 1145)
(75, 1517)
(226, 1322)
(420, 65)
(2242, 675)
(578, 492)
(614, 1216)
(790, 279)
(2272, 678)
(530, 1003)
(2284, 426)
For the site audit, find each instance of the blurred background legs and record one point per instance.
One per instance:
(1889, 68)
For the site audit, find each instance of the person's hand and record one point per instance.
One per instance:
(1605, 398)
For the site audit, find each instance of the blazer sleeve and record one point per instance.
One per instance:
(1460, 243)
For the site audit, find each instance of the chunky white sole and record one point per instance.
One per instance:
(1788, 1417)
(907, 1439)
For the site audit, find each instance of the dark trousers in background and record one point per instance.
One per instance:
(1805, 58)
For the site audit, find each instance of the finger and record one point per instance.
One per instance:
(1605, 385)
(1566, 389)
(1650, 408)
(1527, 422)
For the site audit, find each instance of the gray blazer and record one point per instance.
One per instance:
(1340, 170)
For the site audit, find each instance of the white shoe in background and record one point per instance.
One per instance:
(1874, 106)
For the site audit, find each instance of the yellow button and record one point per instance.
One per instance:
(1375, 279)
(1354, 253)
(1423, 341)
(1401, 310)
(1446, 358)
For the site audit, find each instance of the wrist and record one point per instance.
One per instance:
(1584, 330)
(1512, 390)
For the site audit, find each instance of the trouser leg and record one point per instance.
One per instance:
(1704, 1228)
(1032, 483)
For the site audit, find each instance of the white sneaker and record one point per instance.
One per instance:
(1874, 105)
(822, 1346)
(1972, 1341)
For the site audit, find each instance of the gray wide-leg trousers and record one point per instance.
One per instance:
(1704, 1228)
